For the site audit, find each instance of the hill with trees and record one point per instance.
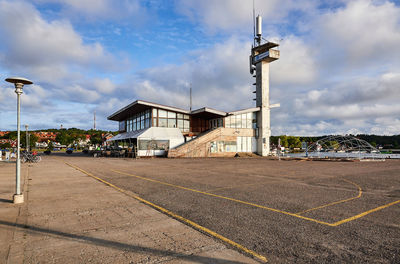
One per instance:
(63, 136)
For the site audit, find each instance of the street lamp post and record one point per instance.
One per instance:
(19, 84)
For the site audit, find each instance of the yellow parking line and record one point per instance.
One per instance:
(365, 213)
(337, 202)
(265, 207)
(187, 221)
(227, 198)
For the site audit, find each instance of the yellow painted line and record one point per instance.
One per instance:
(265, 207)
(337, 202)
(365, 213)
(187, 221)
(227, 198)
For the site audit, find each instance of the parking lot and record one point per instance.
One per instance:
(287, 211)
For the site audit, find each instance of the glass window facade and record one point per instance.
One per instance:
(218, 122)
(247, 120)
(138, 121)
(163, 118)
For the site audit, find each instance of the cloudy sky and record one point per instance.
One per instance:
(339, 70)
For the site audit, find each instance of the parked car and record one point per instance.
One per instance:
(69, 150)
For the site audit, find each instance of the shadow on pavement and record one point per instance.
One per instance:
(119, 245)
(5, 200)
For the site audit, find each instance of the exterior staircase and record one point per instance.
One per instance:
(198, 147)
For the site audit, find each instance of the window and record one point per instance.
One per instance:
(180, 124)
(154, 122)
(180, 116)
(243, 117)
(153, 144)
(186, 124)
(122, 126)
(222, 146)
(238, 123)
(171, 122)
(230, 146)
(228, 121)
(162, 122)
(154, 112)
(186, 117)
(254, 117)
(162, 113)
(171, 115)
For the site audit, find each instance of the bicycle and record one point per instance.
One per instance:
(29, 157)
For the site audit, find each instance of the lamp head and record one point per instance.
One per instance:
(16, 80)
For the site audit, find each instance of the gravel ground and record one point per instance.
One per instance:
(288, 186)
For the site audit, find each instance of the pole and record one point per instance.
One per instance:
(19, 84)
(18, 91)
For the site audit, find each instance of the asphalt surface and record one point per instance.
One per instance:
(260, 203)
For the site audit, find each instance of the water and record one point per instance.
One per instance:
(343, 155)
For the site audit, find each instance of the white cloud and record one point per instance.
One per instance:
(219, 75)
(45, 50)
(228, 15)
(296, 64)
(362, 31)
(52, 54)
(105, 85)
(77, 93)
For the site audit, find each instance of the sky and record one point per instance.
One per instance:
(339, 70)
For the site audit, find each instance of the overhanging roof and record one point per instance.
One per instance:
(203, 113)
(140, 106)
(243, 111)
(207, 113)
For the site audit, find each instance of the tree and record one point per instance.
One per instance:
(64, 138)
(293, 142)
(12, 135)
(50, 146)
(96, 139)
(32, 139)
(284, 141)
(5, 145)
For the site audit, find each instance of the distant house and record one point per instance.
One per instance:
(3, 133)
(13, 143)
(45, 136)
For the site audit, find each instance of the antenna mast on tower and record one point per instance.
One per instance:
(94, 120)
(254, 26)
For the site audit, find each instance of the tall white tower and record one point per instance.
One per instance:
(261, 56)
